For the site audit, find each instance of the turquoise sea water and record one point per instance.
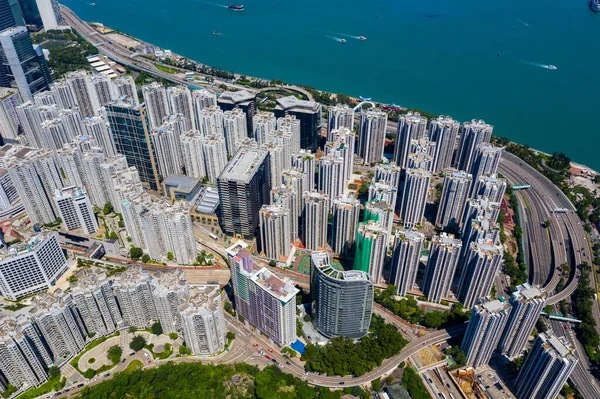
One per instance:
(437, 55)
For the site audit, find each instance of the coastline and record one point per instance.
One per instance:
(94, 25)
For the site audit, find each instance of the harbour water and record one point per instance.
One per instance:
(467, 58)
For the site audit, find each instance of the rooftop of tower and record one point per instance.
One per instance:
(277, 287)
(292, 103)
(244, 164)
(321, 260)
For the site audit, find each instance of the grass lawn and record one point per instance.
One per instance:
(166, 69)
(134, 365)
(55, 384)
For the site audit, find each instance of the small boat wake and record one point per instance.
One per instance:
(210, 3)
(342, 34)
(537, 64)
(521, 22)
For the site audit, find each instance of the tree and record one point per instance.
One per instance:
(145, 258)
(137, 343)
(173, 336)
(132, 329)
(272, 263)
(156, 328)
(228, 308)
(113, 235)
(114, 354)
(53, 372)
(184, 350)
(376, 384)
(79, 262)
(135, 253)
(170, 255)
(108, 208)
(230, 335)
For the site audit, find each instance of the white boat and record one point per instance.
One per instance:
(552, 67)
(343, 40)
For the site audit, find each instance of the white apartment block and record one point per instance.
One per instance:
(315, 216)
(263, 123)
(371, 138)
(31, 266)
(169, 293)
(339, 116)
(98, 128)
(180, 102)
(193, 154)
(275, 237)
(215, 156)
(75, 210)
(235, 129)
(407, 246)
(9, 121)
(203, 321)
(484, 330)
(157, 105)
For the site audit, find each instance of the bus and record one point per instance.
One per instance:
(214, 237)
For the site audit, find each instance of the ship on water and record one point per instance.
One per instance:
(235, 7)
(594, 5)
(362, 38)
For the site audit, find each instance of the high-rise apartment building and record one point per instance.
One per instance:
(192, 151)
(339, 116)
(95, 302)
(275, 231)
(31, 266)
(180, 102)
(203, 321)
(202, 99)
(215, 156)
(20, 65)
(75, 209)
(414, 197)
(104, 89)
(346, 214)
(133, 292)
(546, 369)
(342, 301)
(454, 196)
(131, 132)
(342, 146)
(486, 163)
(484, 330)
(331, 180)
(411, 126)
(50, 13)
(235, 129)
(9, 120)
(371, 250)
(314, 217)
(443, 132)
(473, 135)
(387, 173)
(243, 99)
(309, 115)
(407, 246)
(169, 292)
(371, 136)
(83, 92)
(491, 187)
(244, 187)
(56, 317)
(156, 103)
(527, 304)
(306, 162)
(97, 127)
(264, 123)
(263, 299)
(291, 125)
(167, 147)
(288, 199)
(481, 264)
(125, 87)
(441, 266)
